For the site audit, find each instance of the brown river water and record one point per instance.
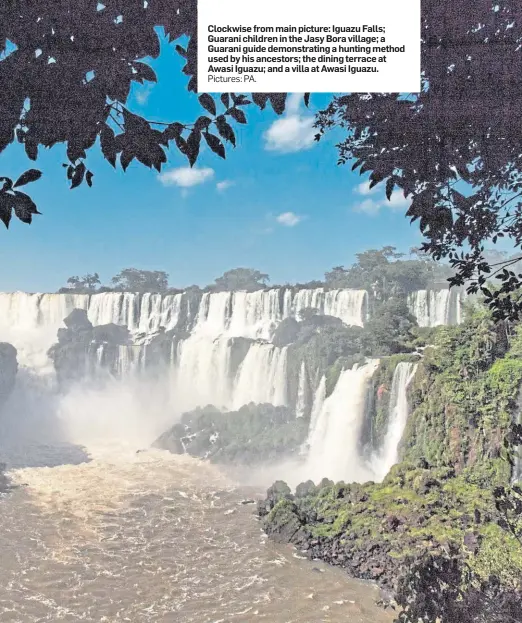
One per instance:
(153, 537)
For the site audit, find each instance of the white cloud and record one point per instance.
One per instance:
(375, 199)
(292, 132)
(364, 189)
(368, 206)
(186, 177)
(289, 219)
(397, 201)
(224, 185)
(293, 103)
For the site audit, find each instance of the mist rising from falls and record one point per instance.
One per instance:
(398, 411)
(335, 437)
(219, 353)
(115, 414)
(203, 368)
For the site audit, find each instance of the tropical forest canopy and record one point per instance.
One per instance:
(384, 272)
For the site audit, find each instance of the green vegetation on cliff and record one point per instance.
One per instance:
(447, 509)
(255, 433)
(464, 397)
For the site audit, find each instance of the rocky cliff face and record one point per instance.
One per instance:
(456, 455)
(84, 350)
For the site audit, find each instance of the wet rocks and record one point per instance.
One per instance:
(253, 434)
(376, 531)
(84, 350)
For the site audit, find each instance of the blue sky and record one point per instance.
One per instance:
(279, 203)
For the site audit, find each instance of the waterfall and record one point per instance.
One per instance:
(432, 308)
(262, 376)
(317, 406)
(348, 305)
(255, 314)
(205, 368)
(398, 411)
(300, 409)
(335, 436)
(31, 321)
(202, 374)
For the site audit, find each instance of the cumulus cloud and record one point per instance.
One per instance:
(186, 177)
(364, 189)
(293, 131)
(368, 206)
(224, 185)
(375, 200)
(288, 219)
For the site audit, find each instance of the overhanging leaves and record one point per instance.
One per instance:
(98, 53)
(26, 178)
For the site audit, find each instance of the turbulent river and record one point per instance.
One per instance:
(152, 537)
(97, 532)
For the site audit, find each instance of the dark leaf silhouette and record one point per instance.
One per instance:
(260, 99)
(207, 101)
(238, 115)
(173, 131)
(144, 72)
(77, 175)
(24, 207)
(5, 209)
(193, 143)
(390, 183)
(215, 144)
(29, 176)
(278, 101)
(99, 53)
(225, 130)
(108, 144)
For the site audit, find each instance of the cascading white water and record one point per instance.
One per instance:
(228, 360)
(203, 375)
(348, 305)
(335, 436)
(300, 408)
(204, 367)
(30, 322)
(432, 308)
(397, 418)
(317, 406)
(255, 314)
(262, 376)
